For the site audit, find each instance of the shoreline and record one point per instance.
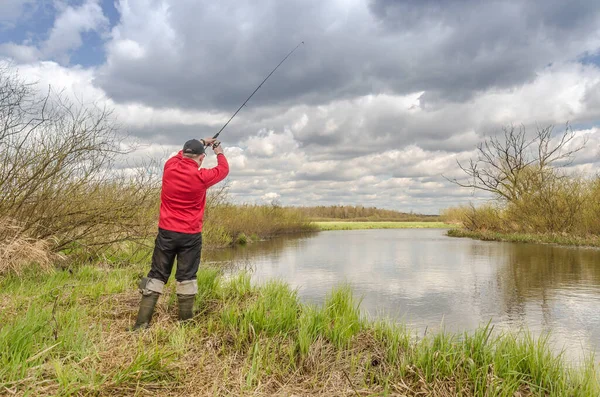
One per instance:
(559, 240)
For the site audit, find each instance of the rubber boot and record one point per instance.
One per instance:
(146, 310)
(186, 306)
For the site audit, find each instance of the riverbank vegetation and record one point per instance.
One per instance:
(381, 225)
(535, 197)
(227, 223)
(64, 334)
(558, 239)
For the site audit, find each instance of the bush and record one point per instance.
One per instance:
(242, 239)
(455, 214)
(59, 177)
(565, 206)
(486, 217)
(226, 222)
(554, 206)
(532, 194)
(591, 210)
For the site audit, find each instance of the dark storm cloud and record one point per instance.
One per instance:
(208, 55)
(488, 44)
(555, 15)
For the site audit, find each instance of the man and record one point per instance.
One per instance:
(183, 197)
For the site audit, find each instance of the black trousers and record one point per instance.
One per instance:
(167, 246)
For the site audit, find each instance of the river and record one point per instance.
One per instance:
(429, 281)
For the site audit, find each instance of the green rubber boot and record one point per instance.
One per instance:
(186, 306)
(146, 310)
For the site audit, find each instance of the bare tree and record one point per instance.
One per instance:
(514, 165)
(17, 104)
(57, 170)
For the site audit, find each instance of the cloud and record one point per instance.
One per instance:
(349, 128)
(69, 25)
(382, 100)
(389, 151)
(270, 197)
(211, 56)
(11, 11)
(65, 36)
(20, 53)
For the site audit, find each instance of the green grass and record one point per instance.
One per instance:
(380, 225)
(559, 239)
(64, 334)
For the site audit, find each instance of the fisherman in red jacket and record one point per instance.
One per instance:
(183, 197)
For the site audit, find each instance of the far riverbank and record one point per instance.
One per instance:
(323, 226)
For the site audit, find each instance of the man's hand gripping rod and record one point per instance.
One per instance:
(217, 143)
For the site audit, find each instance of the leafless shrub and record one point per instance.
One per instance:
(534, 194)
(57, 172)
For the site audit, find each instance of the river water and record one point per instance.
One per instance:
(429, 281)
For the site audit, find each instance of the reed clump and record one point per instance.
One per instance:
(227, 223)
(64, 334)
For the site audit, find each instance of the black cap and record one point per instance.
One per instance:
(193, 146)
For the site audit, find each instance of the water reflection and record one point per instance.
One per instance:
(256, 250)
(430, 280)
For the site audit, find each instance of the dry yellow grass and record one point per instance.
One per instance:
(18, 251)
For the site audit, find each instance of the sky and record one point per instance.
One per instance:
(375, 109)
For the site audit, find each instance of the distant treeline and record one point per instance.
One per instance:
(360, 213)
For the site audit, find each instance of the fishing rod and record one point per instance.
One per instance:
(254, 92)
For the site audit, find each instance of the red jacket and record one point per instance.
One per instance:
(183, 194)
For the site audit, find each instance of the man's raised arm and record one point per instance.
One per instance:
(212, 176)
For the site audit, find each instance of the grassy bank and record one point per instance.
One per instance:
(591, 241)
(63, 334)
(380, 225)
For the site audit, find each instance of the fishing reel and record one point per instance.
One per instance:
(214, 145)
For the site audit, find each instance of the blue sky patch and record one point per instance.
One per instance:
(110, 11)
(591, 58)
(91, 53)
(35, 23)
(32, 27)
